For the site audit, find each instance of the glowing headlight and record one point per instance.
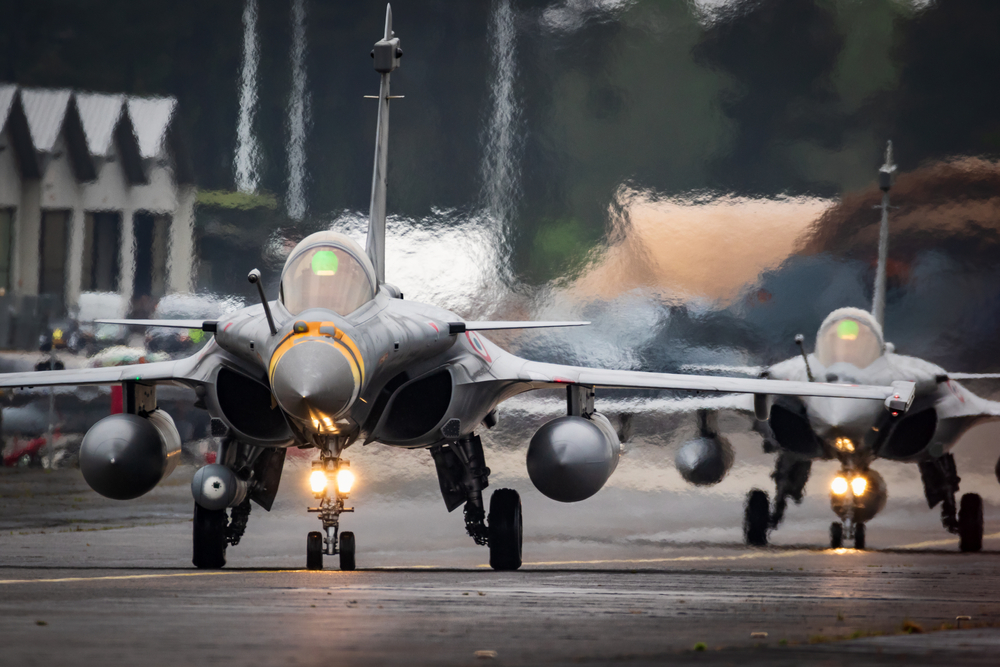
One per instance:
(858, 485)
(345, 480)
(839, 486)
(317, 480)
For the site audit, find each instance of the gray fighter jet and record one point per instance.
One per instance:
(851, 349)
(340, 357)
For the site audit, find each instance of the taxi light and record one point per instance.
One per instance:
(844, 445)
(858, 485)
(839, 486)
(345, 480)
(317, 480)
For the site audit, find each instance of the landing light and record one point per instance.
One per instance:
(858, 485)
(345, 480)
(844, 445)
(839, 486)
(317, 480)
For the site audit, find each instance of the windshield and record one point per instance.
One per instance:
(325, 276)
(848, 340)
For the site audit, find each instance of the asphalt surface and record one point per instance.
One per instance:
(88, 581)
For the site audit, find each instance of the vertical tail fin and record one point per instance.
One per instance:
(386, 54)
(886, 175)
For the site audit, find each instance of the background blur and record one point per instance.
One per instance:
(696, 177)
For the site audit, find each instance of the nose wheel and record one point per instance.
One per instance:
(331, 481)
(315, 549)
(838, 531)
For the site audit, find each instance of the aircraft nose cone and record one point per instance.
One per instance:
(314, 382)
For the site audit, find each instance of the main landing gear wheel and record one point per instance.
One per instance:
(970, 523)
(347, 551)
(505, 530)
(859, 537)
(314, 551)
(836, 535)
(209, 538)
(755, 518)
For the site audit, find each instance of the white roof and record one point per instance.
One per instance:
(45, 110)
(151, 117)
(99, 114)
(6, 98)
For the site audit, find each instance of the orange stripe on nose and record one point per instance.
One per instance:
(339, 340)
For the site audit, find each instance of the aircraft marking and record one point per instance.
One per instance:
(478, 346)
(341, 341)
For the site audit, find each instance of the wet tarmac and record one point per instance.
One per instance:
(88, 581)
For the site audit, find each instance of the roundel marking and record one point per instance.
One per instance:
(478, 346)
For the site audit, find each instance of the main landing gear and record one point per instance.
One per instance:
(790, 476)
(331, 481)
(462, 473)
(222, 494)
(214, 532)
(940, 479)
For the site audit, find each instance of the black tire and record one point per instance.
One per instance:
(505, 530)
(209, 538)
(970, 523)
(314, 550)
(347, 551)
(756, 515)
(859, 537)
(836, 535)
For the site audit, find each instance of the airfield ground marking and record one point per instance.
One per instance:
(64, 580)
(681, 559)
(606, 561)
(941, 543)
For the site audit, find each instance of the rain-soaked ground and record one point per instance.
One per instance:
(642, 573)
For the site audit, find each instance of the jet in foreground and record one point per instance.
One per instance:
(340, 357)
(850, 350)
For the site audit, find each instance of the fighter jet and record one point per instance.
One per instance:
(851, 349)
(339, 358)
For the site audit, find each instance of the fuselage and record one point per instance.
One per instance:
(389, 371)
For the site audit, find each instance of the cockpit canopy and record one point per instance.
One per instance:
(849, 335)
(327, 270)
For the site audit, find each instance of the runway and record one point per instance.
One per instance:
(87, 581)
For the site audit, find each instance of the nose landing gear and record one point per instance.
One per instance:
(330, 467)
(848, 529)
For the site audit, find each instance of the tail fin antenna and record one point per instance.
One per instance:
(886, 176)
(386, 54)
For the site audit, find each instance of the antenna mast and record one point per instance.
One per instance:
(886, 176)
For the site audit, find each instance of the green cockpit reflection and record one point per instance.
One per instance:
(848, 340)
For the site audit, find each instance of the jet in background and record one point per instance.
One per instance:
(851, 349)
(341, 357)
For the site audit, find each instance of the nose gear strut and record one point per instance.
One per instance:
(331, 506)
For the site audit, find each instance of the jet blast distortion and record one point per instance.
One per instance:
(339, 358)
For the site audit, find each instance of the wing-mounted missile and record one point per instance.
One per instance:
(124, 456)
(706, 459)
